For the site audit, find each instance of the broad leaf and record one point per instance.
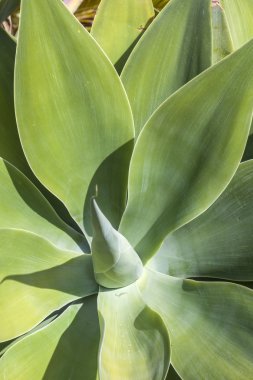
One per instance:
(188, 151)
(118, 25)
(66, 348)
(210, 325)
(175, 48)
(35, 279)
(219, 242)
(134, 341)
(23, 207)
(76, 128)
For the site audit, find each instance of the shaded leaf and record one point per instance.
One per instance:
(188, 152)
(219, 242)
(68, 112)
(66, 348)
(118, 25)
(134, 342)
(210, 325)
(35, 279)
(175, 48)
(23, 207)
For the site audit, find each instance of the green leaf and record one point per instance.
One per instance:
(36, 279)
(188, 152)
(77, 123)
(118, 25)
(219, 242)
(115, 262)
(23, 207)
(135, 342)
(175, 48)
(10, 147)
(66, 348)
(210, 325)
(6, 8)
(222, 42)
(239, 15)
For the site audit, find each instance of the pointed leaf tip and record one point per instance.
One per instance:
(116, 264)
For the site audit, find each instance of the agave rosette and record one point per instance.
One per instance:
(142, 277)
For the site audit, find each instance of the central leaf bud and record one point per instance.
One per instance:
(115, 262)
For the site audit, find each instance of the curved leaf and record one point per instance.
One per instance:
(239, 15)
(115, 262)
(118, 25)
(35, 279)
(219, 242)
(134, 342)
(78, 122)
(175, 48)
(66, 348)
(188, 151)
(210, 325)
(23, 207)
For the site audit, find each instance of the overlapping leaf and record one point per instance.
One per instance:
(210, 325)
(79, 123)
(175, 48)
(36, 279)
(23, 207)
(218, 243)
(118, 25)
(188, 151)
(66, 348)
(134, 342)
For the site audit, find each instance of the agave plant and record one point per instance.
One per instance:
(125, 213)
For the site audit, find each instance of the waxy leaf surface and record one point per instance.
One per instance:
(23, 207)
(134, 340)
(219, 242)
(210, 325)
(175, 48)
(188, 151)
(118, 25)
(36, 279)
(65, 349)
(77, 126)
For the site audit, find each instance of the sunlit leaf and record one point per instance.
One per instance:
(188, 151)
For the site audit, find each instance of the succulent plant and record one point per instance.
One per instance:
(125, 213)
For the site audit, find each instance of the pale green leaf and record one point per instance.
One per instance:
(174, 49)
(188, 151)
(134, 341)
(76, 127)
(23, 207)
(118, 25)
(65, 349)
(115, 262)
(219, 242)
(210, 325)
(36, 279)
(222, 42)
(239, 15)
